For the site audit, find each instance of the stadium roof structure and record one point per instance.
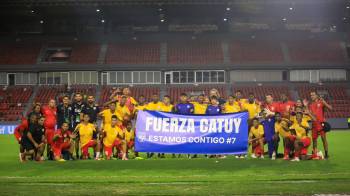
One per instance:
(156, 2)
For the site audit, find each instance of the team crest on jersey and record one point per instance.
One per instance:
(318, 105)
(188, 106)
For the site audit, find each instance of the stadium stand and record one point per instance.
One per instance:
(84, 89)
(45, 93)
(315, 51)
(28, 52)
(255, 51)
(81, 53)
(195, 53)
(13, 101)
(125, 53)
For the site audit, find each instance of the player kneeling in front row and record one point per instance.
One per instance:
(300, 130)
(256, 139)
(33, 139)
(114, 137)
(63, 141)
(88, 137)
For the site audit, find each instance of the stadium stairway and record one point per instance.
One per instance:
(31, 100)
(98, 93)
(102, 55)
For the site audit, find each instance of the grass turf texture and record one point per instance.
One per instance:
(182, 176)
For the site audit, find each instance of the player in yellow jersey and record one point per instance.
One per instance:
(199, 106)
(300, 130)
(88, 137)
(282, 129)
(256, 139)
(167, 106)
(141, 105)
(231, 106)
(107, 114)
(252, 107)
(130, 139)
(155, 104)
(113, 137)
(123, 110)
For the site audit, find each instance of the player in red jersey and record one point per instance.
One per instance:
(49, 112)
(18, 133)
(285, 106)
(317, 107)
(62, 141)
(271, 105)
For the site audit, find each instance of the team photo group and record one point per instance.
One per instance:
(74, 127)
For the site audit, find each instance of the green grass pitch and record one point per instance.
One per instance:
(182, 176)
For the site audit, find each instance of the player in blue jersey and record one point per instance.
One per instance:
(268, 122)
(214, 107)
(184, 107)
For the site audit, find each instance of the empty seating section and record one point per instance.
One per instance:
(336, 95)
(13, 101)
(133, 53)
(85, 90)
(45, 93)
(261, 91)
(17, 54)
(86, 53)
(81, 53)
(195, 53)
(315, 51)
(255, 52)
(175, 91)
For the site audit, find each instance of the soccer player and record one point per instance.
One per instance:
(317, 107)
(167, 106)
(214, 107)
(18, 133)
(252, 107)
(141, 105)
(216, 93)
(130, 139)
(36, 110)
(62, 141)
(231, 106)
(184, 107)
(281, 129)
(239, 98)
(77, 107)
(88, 136)
(270, 104)
(107, 114)
(256, 139)
(302, 141)
(123, 111)
(49, 112)
(114, 137)
(91, 108)
(36, 136)
(285, 106)
(64, 112)
(268, 122)
(199, 106)
(155, 104)
(130, 101)
(27, 141)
